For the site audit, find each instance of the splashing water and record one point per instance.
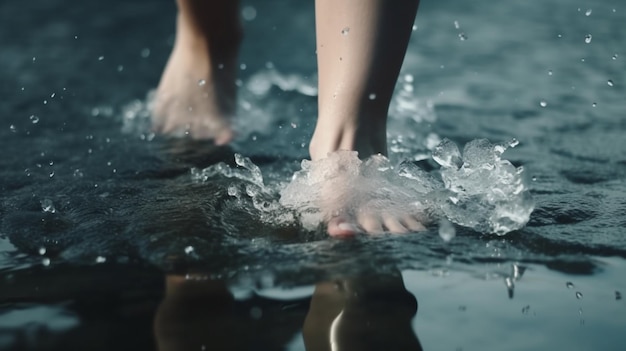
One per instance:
(482, 191)
(252, 190)
(476, 189)
(342, 184)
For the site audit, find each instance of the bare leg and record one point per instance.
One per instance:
(360, 48)
(197, 92)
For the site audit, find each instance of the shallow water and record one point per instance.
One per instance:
(93, 212)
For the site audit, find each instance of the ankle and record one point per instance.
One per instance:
(366, 140)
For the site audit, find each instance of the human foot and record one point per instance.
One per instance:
(351, 196)
(197, 93)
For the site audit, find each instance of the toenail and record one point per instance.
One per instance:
(348, 226)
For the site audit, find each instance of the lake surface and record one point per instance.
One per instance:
(112, 238)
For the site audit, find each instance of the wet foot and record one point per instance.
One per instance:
(354, 203)
(371, 222)
(349, 200)
(197, 93)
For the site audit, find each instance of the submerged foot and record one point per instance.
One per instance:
(196, 96)
(370, 222)
(365, 199)
(351, 196)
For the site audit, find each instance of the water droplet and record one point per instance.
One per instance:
(34, 119)
(446, 230)
(569, 285)
(614, 57)
(76, 37)
(256, 312)
(594, 104)
(550, 72)
(51, 174)
(579, 295)
(588, 38)
(408, 78)
(610, 83)
(45, 262)
(101, 259)
(372, 96)
(559, 36)
(145, 52)
(34, 59)
(345, 31)
(201, 82)
(243, 66)
(47, 206)
(588, 12)
(510, 286)
(543, 103)
(248, 13)
(456, 25)
(414, 28)
(462, 36)
(52, 95)
(13, 128)
(100, 58)
(42, 251)
(120, 68)
(189, 250)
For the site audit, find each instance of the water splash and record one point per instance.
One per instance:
(478, 190)
(249, 189)
(47, 206)
(342, 184)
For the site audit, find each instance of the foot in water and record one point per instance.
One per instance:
(196, 96)
(352, 196)
(360, 48)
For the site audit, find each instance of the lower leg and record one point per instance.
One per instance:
(360, 48)
(197, 91)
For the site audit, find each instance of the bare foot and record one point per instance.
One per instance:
(363, 200)
(196, 96)
(351, 196)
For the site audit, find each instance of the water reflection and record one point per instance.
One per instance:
(366, 312)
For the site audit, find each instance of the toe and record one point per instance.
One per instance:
(413, 224)
(370, 223)
(393, 225)
(340, 227)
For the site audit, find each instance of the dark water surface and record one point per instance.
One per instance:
(95, 212)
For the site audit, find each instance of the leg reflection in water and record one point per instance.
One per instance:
(370, 312)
